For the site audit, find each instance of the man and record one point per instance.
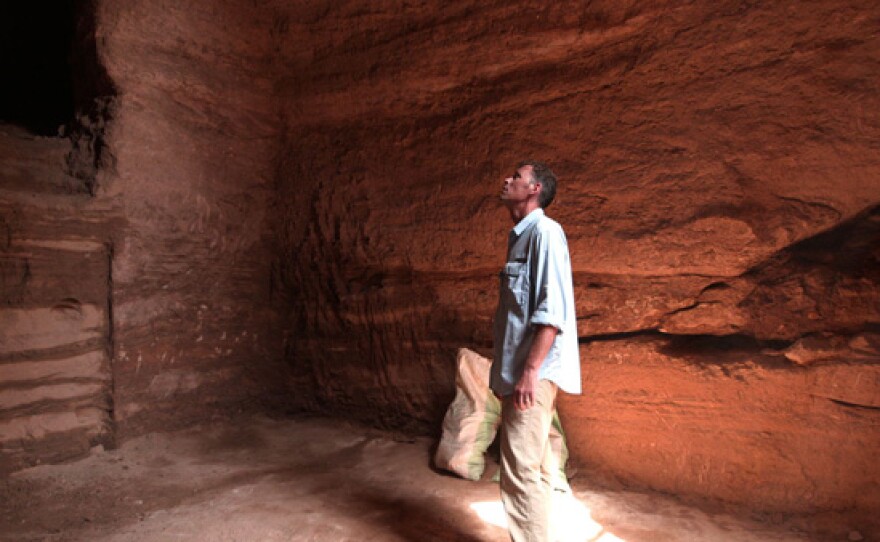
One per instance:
(536, 347)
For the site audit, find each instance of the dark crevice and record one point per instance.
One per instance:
(36, 38)
(686, 308)
(737, 341)
(732, 340)
(714, 287)
(54, 83)
(850, 247)
(602, 337)
(94, 97)
(853, 405)
(711, 345)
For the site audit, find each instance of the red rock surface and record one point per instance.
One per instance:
(141, 298)
(55, 366)
(194, 137)
(303, 204)
(719, 169)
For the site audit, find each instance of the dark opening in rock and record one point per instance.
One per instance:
(36, 39)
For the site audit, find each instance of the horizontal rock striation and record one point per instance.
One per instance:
(295, 204)
(137, 251)
(55, 374)
(719, 190)
(194, 139)
(733, 420)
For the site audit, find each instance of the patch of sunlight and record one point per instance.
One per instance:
(572, 521)
(492, 512)
(608, 537)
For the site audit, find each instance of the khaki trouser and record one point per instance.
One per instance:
(526, 465)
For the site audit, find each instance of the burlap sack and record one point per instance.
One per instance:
(473, 418)
(471, 421)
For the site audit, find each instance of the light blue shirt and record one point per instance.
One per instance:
(536, 288)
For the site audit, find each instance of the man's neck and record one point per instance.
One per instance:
(522, 210)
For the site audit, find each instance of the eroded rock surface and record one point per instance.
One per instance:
(55, 375)
(297, 203)
(719, 185)
(194, 139)
(137, 250)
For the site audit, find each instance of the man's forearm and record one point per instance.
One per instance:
(544, 337)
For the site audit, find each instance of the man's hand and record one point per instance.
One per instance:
(525, 390)
(527, 386)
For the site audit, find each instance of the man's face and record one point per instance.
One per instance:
(519, 187)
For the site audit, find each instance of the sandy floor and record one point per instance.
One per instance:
(264, 480)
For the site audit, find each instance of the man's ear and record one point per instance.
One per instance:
(537, 186)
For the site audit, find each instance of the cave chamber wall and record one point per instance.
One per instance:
(137, 242)
(295, 205)
(719, 186)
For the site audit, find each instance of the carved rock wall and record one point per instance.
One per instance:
(720, 180)
(136, 254)
(55, 355)
(194, 141)
(298, 202)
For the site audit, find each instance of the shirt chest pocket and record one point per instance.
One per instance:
(515, 284)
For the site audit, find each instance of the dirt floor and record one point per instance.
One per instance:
(261, 479)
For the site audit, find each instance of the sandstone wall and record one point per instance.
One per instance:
(55, 377)
(136, 253)
(298, 202)
(720, 179)
(194, 142)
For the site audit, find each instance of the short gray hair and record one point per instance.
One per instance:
(542, 174)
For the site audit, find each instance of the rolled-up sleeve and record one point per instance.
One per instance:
(552, 272)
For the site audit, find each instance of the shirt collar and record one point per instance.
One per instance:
(527, 221)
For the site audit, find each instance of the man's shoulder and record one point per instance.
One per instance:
(549, 234)
(546, 225)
